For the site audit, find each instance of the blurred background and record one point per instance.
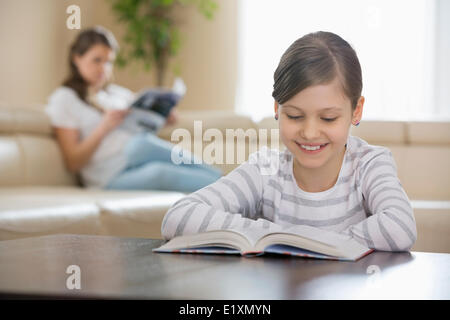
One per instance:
(35, 45)
(228, 61)
(226, 51)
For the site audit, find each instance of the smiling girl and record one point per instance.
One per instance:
(326, 178)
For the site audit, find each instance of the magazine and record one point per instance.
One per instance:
(150, 109)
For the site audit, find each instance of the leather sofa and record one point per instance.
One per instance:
(38, 196)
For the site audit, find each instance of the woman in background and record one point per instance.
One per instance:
(92, 142)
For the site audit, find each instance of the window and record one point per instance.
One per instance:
(397, 43)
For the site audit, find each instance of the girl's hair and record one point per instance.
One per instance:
(84, 41)
(318, 58)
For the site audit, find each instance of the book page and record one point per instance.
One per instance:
(217, 238)
(206, 249)
(318, 240)
(251, 234)
(326, 237)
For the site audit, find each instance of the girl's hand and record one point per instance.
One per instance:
(112, 118)
(172, 118)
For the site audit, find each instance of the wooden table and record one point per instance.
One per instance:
(112, 267)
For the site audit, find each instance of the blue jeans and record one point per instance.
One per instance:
(149, 166)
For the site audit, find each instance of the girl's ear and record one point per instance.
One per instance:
(276, 107)
(357, 114)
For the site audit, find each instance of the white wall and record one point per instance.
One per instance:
(35, 43)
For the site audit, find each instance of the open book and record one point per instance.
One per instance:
(151, 107)
(301, 241)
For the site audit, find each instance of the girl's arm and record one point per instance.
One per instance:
(78, 153)
(391, 225)
(230, 202)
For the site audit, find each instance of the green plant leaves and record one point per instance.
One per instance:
(152, 35)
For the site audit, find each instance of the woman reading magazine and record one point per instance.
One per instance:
(92, 139)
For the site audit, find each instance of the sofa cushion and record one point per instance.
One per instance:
(74, 218)
(140, 216)
(32, 160)
(427, 172)
(11, 171)
(381, 132)
(433, 225)
(29, 154)
(429, 133)
(24, 119)
(33, 211)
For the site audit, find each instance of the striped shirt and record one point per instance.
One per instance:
(367, 203)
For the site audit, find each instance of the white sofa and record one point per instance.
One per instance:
(39, 196)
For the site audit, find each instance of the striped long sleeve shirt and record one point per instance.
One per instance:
(367, 203)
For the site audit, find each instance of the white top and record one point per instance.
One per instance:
(67, 110)
(367, 202)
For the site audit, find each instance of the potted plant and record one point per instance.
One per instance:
(152, 33)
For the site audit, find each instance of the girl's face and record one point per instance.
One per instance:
(96, 65)
(317, 118)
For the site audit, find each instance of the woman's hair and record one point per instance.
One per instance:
(84, 41)
(318, 58)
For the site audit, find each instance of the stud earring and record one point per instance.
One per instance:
(276, 116)
(356, 124)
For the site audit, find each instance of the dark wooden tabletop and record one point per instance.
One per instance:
(112, 267)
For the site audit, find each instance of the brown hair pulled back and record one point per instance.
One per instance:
(83, 42)
(318, 58)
